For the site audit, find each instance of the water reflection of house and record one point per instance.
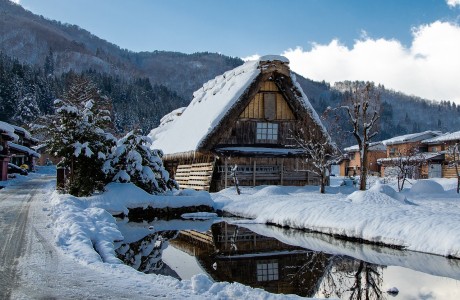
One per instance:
(236, 254)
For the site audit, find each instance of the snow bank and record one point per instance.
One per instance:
(378, 194)
(427, 187)
(379, 215)
(119, 197)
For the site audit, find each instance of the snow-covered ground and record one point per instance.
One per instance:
(81, 231)
(424, 217)
(61, 262)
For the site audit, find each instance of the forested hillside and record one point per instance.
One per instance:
(39, 57)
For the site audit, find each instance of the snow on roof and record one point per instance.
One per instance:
(376, 146)
(419, 157)
(165, 123)
(23, 149)
(206, 110)
(26, 133)
(454, 136)
(8, 129)
(412, 137)
(210, 104)
(263, 150)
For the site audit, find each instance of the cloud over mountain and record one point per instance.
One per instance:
(429, 67)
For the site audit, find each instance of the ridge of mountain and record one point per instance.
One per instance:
(51, 47)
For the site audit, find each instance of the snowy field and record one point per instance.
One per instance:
(425, 217)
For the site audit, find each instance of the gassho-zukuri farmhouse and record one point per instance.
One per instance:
(242, 121)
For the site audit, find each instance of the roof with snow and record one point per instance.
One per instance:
(412, 137)
(448, 137)
(8, 130)
(377, 146)
(23, 149)
(419, 157)
(187, 130)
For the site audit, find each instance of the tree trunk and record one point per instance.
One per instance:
(364, 159)
(322, 185)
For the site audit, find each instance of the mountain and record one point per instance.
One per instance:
(38, 57)
(33, 39)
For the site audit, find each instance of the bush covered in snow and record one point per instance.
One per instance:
(132, 160)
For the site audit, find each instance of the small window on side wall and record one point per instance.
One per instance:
(267, 132)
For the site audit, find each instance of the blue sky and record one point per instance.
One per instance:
(383, 41)
(242, 27)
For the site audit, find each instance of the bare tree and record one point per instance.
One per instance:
(320, 153)
(406, 165)
(362, 108)
(354, 280)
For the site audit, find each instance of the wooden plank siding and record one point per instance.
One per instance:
(244, 133)
(256, 108)
(448, 171)
(253, 171)
(194, 176)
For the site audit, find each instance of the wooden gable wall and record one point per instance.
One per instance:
(257, 107)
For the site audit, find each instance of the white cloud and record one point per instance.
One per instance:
(429, 68)
(453, 3)
(16, 1)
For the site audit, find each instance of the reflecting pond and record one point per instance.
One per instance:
(286, 261)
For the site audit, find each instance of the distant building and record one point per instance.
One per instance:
(412, 146)
(242, 121)
(440, 146)
(350, 165)
(15, 147)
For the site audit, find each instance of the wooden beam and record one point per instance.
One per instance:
(254, 174)
(282, 170)
(225, 171)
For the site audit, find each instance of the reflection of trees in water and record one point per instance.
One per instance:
(145, 254)
(346, 278)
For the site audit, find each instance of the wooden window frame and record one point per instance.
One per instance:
(267, 132)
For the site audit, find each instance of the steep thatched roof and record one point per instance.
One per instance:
(215, 105)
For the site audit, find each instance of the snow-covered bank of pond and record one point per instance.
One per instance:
(85, 232)
(424, 219)
(284, 260)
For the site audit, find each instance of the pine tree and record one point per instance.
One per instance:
(132, 160)
(77, 134)
(27, 109)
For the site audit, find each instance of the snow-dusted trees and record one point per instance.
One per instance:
(320, 153)
(132, 160)
(76, 133)
(362, 108)
(406, 165)
(27, 109)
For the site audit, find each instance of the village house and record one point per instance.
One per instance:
(242, 123)
(443, 146)
(15, 143)
(21, 150)
(350, 165)
(412, 147)
(6, 135)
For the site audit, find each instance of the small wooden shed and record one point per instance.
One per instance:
(242, 122)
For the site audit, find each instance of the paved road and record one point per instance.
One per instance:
(14, 209)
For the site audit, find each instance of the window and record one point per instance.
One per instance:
(267, 132)
(267, 270)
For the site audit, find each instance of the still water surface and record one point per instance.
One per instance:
(286, 261)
